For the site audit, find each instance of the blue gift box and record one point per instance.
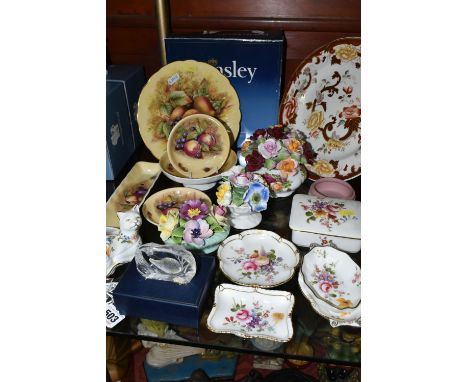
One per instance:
(253, 63)
(163, 300)
(217, 368)
(132, 77)
(119, 137)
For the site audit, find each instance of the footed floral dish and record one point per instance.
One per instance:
(245, 195)
(252, 313)
(185, 216)
(258, 258)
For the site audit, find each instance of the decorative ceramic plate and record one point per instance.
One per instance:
(170, 197)
(258, 258)
(252, 313)
(333, 277)
(201, 183)
(198, 146)
(132, 190)
(183, 88)
(337, 317)
(323, 100)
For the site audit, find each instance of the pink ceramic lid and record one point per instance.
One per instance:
(332, 188)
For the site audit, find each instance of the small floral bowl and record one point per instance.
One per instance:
(333, 277)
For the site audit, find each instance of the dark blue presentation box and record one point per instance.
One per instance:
(163, 300)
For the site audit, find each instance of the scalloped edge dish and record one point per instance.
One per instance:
(252, 312)
(336, 317)
(141, 172)
(149, 116)
(257, 269)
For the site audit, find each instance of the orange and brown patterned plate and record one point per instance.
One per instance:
(323, 100)
(180, 89)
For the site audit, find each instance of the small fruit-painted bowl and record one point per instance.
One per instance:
(201, 183)
(177, 196)
(198, 146)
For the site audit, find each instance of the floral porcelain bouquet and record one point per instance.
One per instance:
(278, 154)
(245, 194)
(193, 224)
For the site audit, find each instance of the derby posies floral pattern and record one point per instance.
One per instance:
(254, 319)
(258, 264)
(328, 213)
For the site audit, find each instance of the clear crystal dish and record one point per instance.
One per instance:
(165, 262)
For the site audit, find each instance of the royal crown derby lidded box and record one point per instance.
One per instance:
(326, 222)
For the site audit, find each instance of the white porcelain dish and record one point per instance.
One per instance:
(252, 313)
(258, 258)
(326, 222)
(336, 317)
(333, 277)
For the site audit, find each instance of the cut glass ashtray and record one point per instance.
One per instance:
(165, 262)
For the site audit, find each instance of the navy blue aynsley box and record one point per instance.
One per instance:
(119, 137)
(132, 77)
(253, 63)
(163, 300)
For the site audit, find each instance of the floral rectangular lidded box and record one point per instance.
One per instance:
(326, 222)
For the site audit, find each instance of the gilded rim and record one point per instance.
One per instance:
(344, 40)
(314, 307)
(287, 295)
(157, 149)
(276, 237)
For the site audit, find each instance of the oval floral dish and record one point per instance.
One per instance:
(323, 101)
(252, 313)
(258, 258)
(333, 277)
(180, 89)
(198, 146)
(337, 317)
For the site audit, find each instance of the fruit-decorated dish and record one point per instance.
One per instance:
(198, 146)
(201, 183)
(323, 100)
(258, 258)
(169, 198)
(180, 89)
(252, 313)
(333, 277)
(132, 190)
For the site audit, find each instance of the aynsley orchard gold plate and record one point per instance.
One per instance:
(323, 100)
(198, 146)
(180, 89)
(132, 190)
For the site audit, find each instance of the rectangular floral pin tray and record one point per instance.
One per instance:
(252, 313)
(132, 190)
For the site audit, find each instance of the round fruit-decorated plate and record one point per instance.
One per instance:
(180, 89)
(323, 100)
(198, 146)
